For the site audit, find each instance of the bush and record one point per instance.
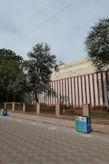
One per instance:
(100, 108)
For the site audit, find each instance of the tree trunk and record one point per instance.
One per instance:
(14, 98)
(7, 98)
(36, 98)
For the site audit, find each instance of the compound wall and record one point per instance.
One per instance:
(78, 90)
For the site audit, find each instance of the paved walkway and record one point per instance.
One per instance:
(99, 128)
(27, 139)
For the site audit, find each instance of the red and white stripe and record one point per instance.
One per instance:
(88, 89)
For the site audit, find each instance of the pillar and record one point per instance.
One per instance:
(38, 108)
(86, 110)
(24, 107)
(58, 109)
(13, 106)
(4, 105)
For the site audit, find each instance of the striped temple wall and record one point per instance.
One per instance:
(78, 90)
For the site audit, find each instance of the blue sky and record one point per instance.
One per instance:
(63, 24)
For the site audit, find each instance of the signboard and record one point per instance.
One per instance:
(86, 110)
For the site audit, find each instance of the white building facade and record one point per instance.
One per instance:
(77, 83)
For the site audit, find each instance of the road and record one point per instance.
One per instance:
(25, 141)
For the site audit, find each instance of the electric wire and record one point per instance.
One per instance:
(29, 33)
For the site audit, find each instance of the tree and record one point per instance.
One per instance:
(97, 44)
(12, 77)
(40, 68)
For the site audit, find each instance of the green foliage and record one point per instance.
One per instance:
(12, 77)
(97, 44)
(99, 114)
(98, 108)
(40, 65)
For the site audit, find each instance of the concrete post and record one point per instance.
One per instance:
(58, 109)
(38, 108)
(4, 105)
(13, 106)
(24, 107)
(86, 110)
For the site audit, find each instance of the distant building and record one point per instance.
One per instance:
(74, 68)
(79, 83)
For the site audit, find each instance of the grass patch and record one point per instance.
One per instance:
(100, 114)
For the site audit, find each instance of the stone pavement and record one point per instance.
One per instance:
(100, 128)
(27, 139)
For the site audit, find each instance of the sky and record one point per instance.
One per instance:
(62, 24)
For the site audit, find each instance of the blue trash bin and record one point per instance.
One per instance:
(5, 112)
(84, 124)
